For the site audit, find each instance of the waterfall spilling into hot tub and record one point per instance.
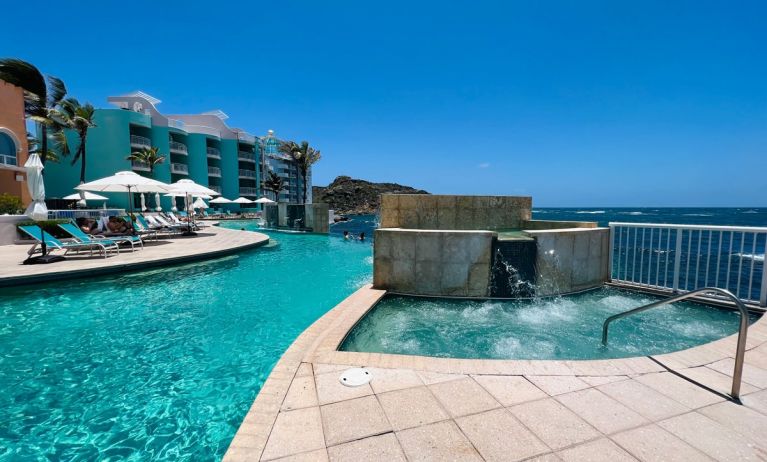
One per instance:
(513, 268)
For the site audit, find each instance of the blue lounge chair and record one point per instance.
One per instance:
(52, 243)
(85, 238)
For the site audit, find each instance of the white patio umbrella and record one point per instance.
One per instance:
(199, 204)
(37, 209)
(264, 200)
(89, 196)
(242, 200)
(189, 188)
(126, 181)
(221, 200)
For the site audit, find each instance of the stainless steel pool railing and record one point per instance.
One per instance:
(740, 352)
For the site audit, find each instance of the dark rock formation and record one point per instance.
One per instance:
(348, 196)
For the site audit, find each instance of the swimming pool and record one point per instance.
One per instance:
(568, 327)
(160, 364)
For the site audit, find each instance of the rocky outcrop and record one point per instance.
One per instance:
(348, 196)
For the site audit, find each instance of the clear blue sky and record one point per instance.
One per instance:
(577, 103)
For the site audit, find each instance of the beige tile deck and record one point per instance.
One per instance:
(422, 408)
(209, 243)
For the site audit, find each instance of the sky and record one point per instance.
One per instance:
(577, 103)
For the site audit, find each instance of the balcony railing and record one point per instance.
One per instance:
(215, 188)
(178, 148)
(246, 156)
(248, 191)
(175, 123)
(214, 153)
(202, 129)
(179, 168)
(214, 171)
(140, 141)
(247, 173)
(8, 160)
(682, 258)
(138, 165)
(242, 136)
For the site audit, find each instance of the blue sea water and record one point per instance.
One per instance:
(163, 364)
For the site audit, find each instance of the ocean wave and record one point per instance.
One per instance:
(750, 211)
(590, 211)
(631, 213)
(697, 214)
(749, 256)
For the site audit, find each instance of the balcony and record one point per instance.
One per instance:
(246, 156)
(247, 174)
(215, 188)
(178, 148)
(244, 137)
(214, 171)
(7, 160)
(214, 153)
(139, 166)
(175, 123)
(248, 191)
(179, 168)
(137, 141)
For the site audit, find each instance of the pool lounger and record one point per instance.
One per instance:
(85, 238)
(35, 232)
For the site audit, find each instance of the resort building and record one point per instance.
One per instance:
(13, 142)
(201, 147)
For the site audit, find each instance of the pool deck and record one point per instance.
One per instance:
(211, 242)
(665, 407)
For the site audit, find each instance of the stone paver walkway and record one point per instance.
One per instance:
(210, 242)
(431, 409)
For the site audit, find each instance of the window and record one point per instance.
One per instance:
(7, 150)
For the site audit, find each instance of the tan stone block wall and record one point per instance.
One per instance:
(552, 224)
(446, 263)
(569, 260)
(421, 211)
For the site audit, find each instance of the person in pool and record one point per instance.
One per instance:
(362, 237)
(346, 235)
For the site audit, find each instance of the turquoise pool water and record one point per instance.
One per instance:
(161, 364)
(568, 327)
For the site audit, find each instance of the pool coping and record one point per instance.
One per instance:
(319, 344)
(113, 267)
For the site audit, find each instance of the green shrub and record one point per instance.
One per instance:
(10, 204)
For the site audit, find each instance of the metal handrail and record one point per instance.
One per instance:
(740, 352)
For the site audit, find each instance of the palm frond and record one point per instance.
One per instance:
(24, 75)
(56, 91)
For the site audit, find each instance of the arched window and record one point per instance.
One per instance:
(7, 150)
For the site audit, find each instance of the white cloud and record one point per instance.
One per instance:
(484, 165)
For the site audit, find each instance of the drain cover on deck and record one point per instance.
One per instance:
(355, 377)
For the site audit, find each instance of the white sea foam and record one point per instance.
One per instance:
(697, 214)
(750, 211)
(590, 211)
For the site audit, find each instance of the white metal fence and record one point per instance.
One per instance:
(682, 258)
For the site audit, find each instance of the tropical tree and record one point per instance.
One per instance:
(304, 156)
(274, 183)
(59, 146)
(79, 118)
(42, 95)
(149, 156)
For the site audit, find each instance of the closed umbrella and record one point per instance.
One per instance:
(157, 207)
(126, 181)
(143, 203)
(37, 209)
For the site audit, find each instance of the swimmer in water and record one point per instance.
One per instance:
(346, 235)
(362, 236)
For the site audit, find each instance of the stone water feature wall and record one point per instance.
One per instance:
(464, 245)
(311, 217)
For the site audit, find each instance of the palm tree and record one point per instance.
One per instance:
(41, 96)
(79, 118)
(274, 183)
(59, 146)
(149, 156)
(304, 156)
